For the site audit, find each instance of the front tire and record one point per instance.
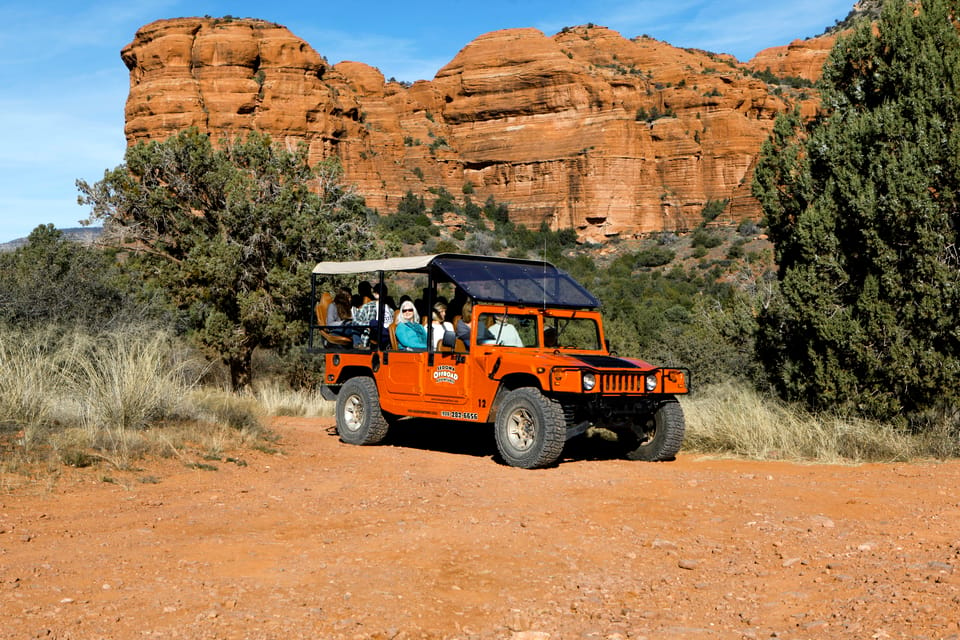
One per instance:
(359, 417)
(658, 437)
(530, 429)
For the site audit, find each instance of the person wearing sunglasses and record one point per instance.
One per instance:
(411, 335)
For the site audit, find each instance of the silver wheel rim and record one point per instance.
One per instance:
(353, 413)
(521, 430)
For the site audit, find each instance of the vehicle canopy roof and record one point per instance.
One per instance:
(483, 278)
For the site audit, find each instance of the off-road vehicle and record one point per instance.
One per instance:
(562, 380)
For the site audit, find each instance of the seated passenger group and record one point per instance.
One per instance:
(356, 316)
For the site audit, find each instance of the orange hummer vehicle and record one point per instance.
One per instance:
(522, 349)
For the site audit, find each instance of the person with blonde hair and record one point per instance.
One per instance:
(411, 335)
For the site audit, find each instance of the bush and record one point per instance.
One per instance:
(446, 246)
(706, 239)
(748, 228)
(655, 257)
(735, 252)
(713, 209)
(54, 280)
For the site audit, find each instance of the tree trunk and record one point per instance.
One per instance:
(240, 374)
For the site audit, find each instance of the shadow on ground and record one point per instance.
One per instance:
(477, 440)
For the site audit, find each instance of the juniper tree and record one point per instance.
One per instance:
(231, 233)
(54, 280)
(862, 205)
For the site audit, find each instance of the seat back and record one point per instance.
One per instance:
(393, 337)
(321, 309)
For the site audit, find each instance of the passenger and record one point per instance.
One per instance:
(464, 324)
(411, 335)
(339, 310)
(455, 307)
(368, 314)
(380, 291)
(504, 333)
(367, 311)
(364, 316)
(356, 301)
(462, 327)
(439, 326)
(549, 337)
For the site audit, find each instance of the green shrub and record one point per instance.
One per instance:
(713, 209)
(655, 257)
(706, 239)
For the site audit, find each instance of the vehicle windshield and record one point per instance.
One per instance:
(571, 333)
(508, 330)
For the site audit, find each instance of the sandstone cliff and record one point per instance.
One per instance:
(585, 128)
(799, 59)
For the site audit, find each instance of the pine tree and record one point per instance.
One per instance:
(862, 205)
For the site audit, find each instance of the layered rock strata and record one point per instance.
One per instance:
(584, 129)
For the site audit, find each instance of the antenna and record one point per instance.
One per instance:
(543, 286)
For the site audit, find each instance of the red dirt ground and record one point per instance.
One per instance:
(429, 537)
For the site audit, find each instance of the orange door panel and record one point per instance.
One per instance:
(402, 375)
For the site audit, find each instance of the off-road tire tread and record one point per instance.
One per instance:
(668, 439)
(552, 432)
(376, 427)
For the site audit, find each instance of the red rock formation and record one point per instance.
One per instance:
(584, 129)
(799, 59)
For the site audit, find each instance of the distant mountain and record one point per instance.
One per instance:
(82, 235)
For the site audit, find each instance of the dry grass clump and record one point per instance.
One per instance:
(27, 382)
(277, 399)
(736, 420)
(116, 396)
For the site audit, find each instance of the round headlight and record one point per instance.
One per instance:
(589, 381)
(651, 382)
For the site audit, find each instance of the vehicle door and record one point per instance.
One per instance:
(403, 372)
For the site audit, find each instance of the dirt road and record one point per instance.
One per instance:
(428, 537)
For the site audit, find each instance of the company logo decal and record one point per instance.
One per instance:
(445, 373)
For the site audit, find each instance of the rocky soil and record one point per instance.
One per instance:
(429, 537)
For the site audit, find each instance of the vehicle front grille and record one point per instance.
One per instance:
(621, 382)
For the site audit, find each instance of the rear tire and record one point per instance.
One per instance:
(658, 437)
(359, 417)
(530, 429)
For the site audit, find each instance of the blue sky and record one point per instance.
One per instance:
(65, 85)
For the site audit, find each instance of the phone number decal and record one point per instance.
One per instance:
(460, 415)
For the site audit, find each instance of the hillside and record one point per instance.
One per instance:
(611, 136)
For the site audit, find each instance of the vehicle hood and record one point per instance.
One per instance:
(595, 361)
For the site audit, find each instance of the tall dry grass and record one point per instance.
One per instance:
(114, 396)
(276, 398)
(731, 419)
(28, 380)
